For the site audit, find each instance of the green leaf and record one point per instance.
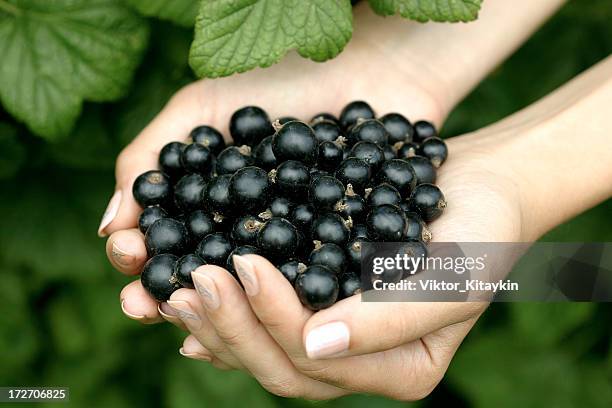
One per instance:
(182, 12)
(12, 153)
(425, 10)
(238, 35)
(56, 53)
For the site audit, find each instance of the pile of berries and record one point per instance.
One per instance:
(304, 195)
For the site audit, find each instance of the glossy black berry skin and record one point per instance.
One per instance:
(349, 285)
(423, 129)
(157, 277)
(287, 119)
(249, 125)
(353, 251)
(295, 141)
(199, 224)
(245, 229)
(183, 268)
(148, 216)
(360, 231)
(382, 194)
(354, 111)
(319, 117)
(407, 150)
(317, 287)
(435, 150)
(330, 255)
(232, 159)
(263, 154)
(415, 249)
(291, 269)
(329, 156)
(389, 153)
(152, 188)
(239, 250)
(400, 174)
(354, 206)
(214, 249)
(209, 137)
(326, 131)
(249, 190)
(326, 192)
(428, 201)
(278, 238)
(170, 159)
(293, 178)
(281, 207)
(166, 236)
(399, 128)
(370, 130)
(386, 223)
(197, 158)
(372, 153)
(302, 217)
(216, 196)
(423, 168)
(188, 192)
(355, 172)
(330, 227)
(416, 228)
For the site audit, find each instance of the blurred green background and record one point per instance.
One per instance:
(61, 323)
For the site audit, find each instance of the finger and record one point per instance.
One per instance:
(236, 324)
(346, 328)
(194, 350)
(138, 305)
(169, 314)
(126, 251)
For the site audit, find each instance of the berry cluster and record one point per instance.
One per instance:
(303, 195)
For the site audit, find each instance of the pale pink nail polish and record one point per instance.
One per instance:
(207, 290)
(128, 314)
(110, 213)
(246, 273)
(195, 356)
(185, 312)
(327, 340)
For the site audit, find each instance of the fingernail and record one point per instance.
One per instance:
(207, 290)
(120, 256)
(195, 356)
(327, 340)
(186, 313)
(246, 273)
(110, 213)
(166, 311)
(128, 314)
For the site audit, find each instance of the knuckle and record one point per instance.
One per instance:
(319, 372)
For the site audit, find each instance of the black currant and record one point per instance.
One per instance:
(245, 229)
(249, 189)
(148, 216)
(278, 238)
(417, 229)
(370, 130)
(414, 248)
(280, 207)
(329, 255)
(353, 251)
(239, 250)
(353, 206)
(263, 154)
(319, 117)
(349, 284)
(317, 287)
(326, 192)
(424, 129)
(389, 153)
(157, 277)
(249, 125)
(316, 173)
(435, 150)
(399, 128)
(407, 150)
(216, 195)
(330, 227)
(232, 159)
(386, 223)
(302, 216)
(286, 119)
(188, 192)
(423, 168)
(329, 156)
(214, 249)
(384, 193)
(326, 131)
(183, 268)
(197, 158)
(199, 224)
(292, 178)
(356, 172)
(360, 231)
(400, 174)
(291, 269)
(295, 141)
(370, 152)
(170, 159)
(428, 201)
(152, 188)
(209, 137)
(166, 236)
(354, 111)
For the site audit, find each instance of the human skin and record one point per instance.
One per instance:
(482, 173)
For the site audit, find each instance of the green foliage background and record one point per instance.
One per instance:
(61, 323)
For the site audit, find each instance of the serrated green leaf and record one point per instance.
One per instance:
(238, 35)
(425, 10)
(57, 53)
(182, 12)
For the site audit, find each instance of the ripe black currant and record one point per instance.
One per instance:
(214, 249)
(326, 131)
(389, 153)
(400, 174)
(330, 227)
(349, 284)
(170, 159)
(360, 231)
(319, 117)
(329, 156)
(249, 125)
(317, 287)
(302, 216)
(326, 192)
(166, 236)
(199, 224)
(370, 152)
(295, 141)
(423, 168)
(414, 248)
(278, 238)
(245, 229)
(263, 154)
(384, 193)
(188, 192)
(232, 159)
(216, 195)
(428, 201)
(183, 268)
(386, 223)
(399, 128)
(435, 150)
(329, 255)
(157, 277)
(356, 172)
(148, 216)
(286, 119)
(239, 250)
(354, 111)
(424, 129)
(291, 269)
(249, 189)
(353, 206)
(209, 137)
(197, 158)
(280, 207)
(353, 250)
(416, 228)
(292, 178)
(370, 130)
(407, 150)
(152, 188)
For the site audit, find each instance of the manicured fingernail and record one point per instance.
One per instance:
(128, 314)
(207, 290)
(186, 313)
(110, 213)
(120, 256)
(246, 273)
(327, 340)
(166, 311)
(195, 356)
